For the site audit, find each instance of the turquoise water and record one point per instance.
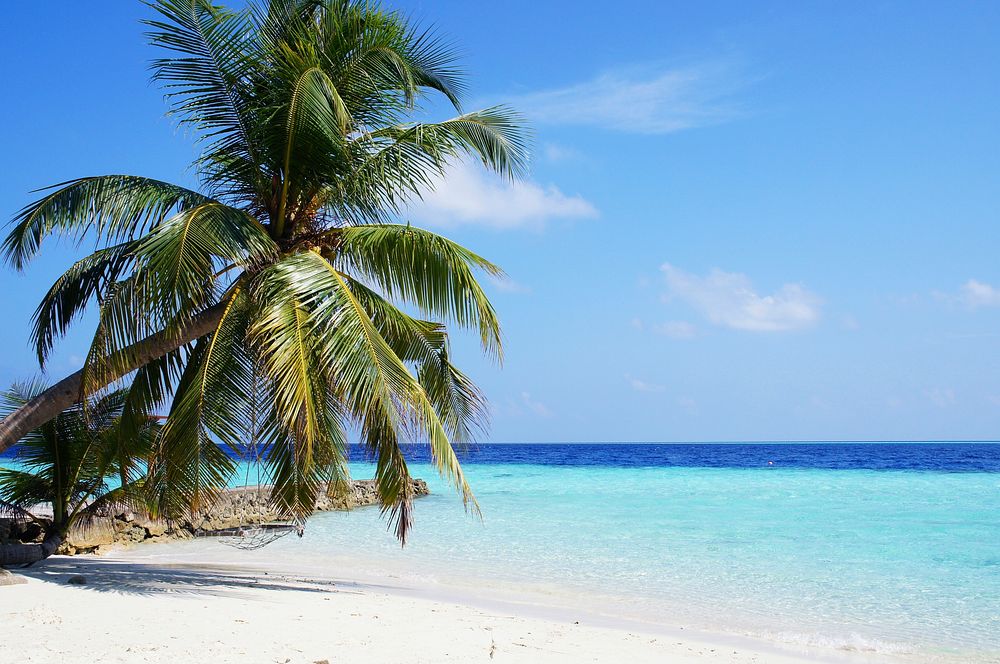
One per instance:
(895, 562)
(850, 548)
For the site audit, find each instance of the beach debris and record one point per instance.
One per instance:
(77, 580)
(8, 578)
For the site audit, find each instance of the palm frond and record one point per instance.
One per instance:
(111, 502)
(14, 512)
(459, 403)
(89, 278)
(22, 490)
(397, 164)
(131, 441)
(371, 380)
(375, 54)
(178, 259)
(114, 207)
(316, 125)
(306, 437)
(208, 81)
(125, 317)
(188, 468)
(426, 270)
(495, 135)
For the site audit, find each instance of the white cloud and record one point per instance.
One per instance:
(676, 329)
(728, 299)
(642, 386)
(470, 196)
(534, 406)
(641, 99)
(975, 294)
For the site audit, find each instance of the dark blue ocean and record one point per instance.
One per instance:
(951, 457)
(939, 457)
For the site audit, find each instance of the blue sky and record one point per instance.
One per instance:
(745, 221)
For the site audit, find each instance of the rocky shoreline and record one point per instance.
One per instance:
(234, 508)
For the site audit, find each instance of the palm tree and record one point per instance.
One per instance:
(273, 305)
(68, 462)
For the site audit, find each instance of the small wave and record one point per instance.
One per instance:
(866, 645)
(853, 642)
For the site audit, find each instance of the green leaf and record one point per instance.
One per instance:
(424, 269)
(115, 207)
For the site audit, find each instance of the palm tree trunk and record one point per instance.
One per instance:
(66, 392)
(26, 554)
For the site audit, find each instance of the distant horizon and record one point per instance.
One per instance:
(956, 441)
(11, 451)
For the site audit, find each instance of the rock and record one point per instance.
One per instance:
(77, 580)
(8, 578)
(154, 527)
(30, 533)
(232, 509)
(87, 536)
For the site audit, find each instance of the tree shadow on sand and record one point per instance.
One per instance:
(219, 580)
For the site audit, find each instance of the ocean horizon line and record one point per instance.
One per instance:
(623, 443)
(831, 441)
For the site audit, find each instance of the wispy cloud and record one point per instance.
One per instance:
(534, 406)
(510, 286)
(470, 196)
(640, 385)
(729, 299)
(688, 404)
(645, 99)
(975, 294)
(676, 329)
(520, 406)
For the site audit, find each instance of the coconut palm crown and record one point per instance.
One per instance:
(270, 305)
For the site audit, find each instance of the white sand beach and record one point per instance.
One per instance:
(161, 611)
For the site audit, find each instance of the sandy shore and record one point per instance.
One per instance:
(176, 612)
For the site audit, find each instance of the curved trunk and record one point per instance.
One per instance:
(27, 554)
(66, 392)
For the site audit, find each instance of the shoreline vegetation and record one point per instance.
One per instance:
(230, 511)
